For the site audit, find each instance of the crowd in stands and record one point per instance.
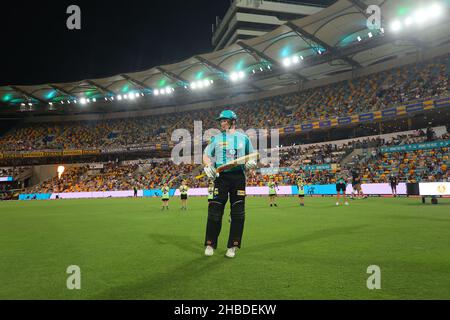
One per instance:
(413, 166)
(314, 154)
(115, 177)
(375, 166)
(13, 171)
(426, 79)
(377, 91)
(416, 166)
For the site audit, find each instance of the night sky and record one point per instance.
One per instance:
(115, 37)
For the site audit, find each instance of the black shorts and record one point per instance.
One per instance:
(230, 185)
(301, 195)
(272, 195)
(165, 199)
(184, 197)
(340, 187)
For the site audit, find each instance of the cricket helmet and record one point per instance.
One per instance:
(228, 115)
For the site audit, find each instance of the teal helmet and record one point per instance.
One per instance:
(227, 114)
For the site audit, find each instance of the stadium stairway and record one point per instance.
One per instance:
(24, 175)
(349, 157)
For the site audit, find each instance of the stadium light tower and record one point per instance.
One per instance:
(409, 21)
(237, 76)
(163, 91)
(435, 10)
(291, 61)
(420, 16)
(396, 26)
(287, 62)
(205, 83)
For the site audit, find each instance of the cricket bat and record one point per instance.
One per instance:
(234, 163)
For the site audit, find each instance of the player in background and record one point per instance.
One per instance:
(301, 190)
(394, 182)
(184, 195)
(357, 192)
(165, 196)
(341, 186)
(272, 191)
(135, 192)
(225, 147)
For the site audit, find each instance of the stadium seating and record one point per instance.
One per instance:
(368, 93)
(421, 165)
(114, 177)
(14, 172)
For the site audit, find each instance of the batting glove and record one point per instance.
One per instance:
(211, 172)
(251, 165)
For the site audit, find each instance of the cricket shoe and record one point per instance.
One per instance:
(231, 252)
(209, 251)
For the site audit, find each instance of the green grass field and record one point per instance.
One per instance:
(129, 249)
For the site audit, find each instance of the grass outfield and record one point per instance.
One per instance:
(129, 249)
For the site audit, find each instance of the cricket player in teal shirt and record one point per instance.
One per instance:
(227, 146)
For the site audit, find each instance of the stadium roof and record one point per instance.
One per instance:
(332, 41)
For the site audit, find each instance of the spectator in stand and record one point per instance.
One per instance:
(428, 79)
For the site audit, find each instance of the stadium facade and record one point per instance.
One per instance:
(332, 45)
(246, 19)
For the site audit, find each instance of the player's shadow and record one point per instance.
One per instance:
(319, 234)
(197, 268)
(181, 242)
(150, 287)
